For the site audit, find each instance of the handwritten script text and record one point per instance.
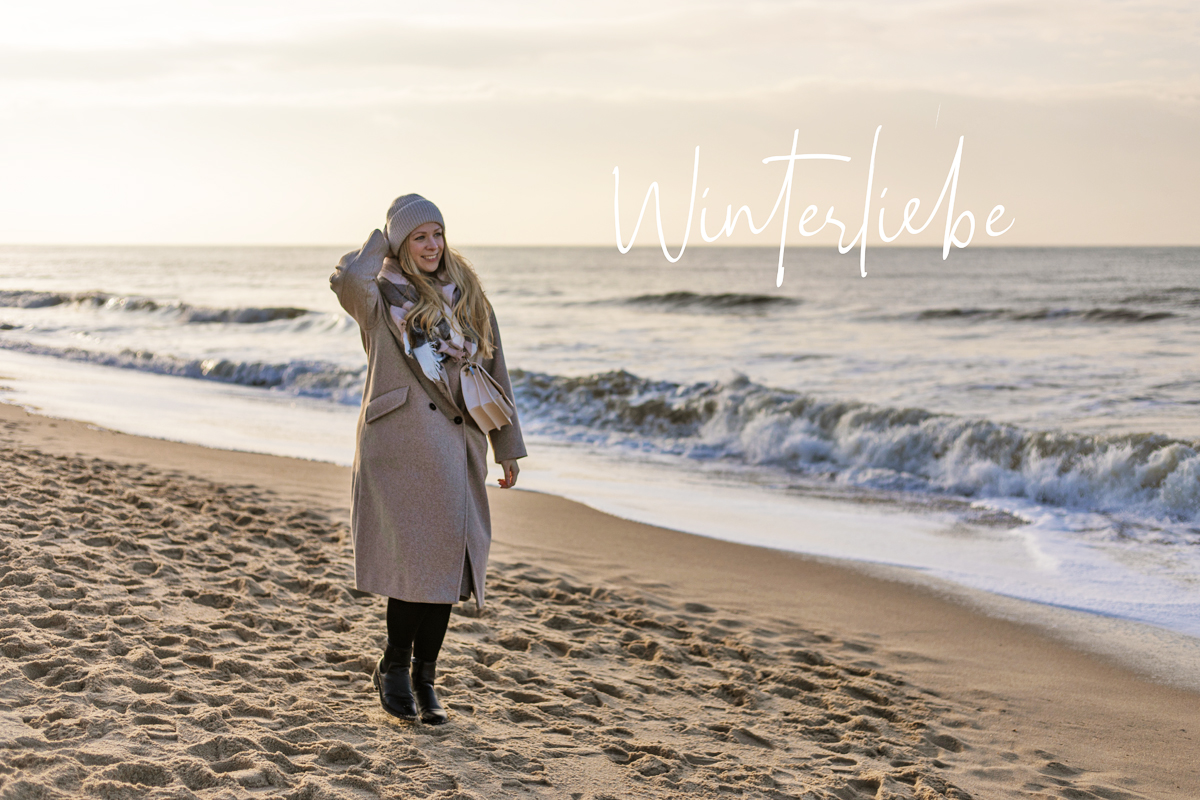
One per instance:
(784, 199)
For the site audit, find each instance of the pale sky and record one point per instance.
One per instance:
(298, 122)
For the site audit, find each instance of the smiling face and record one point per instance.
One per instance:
(425, 245)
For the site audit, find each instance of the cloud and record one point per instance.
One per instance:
(712, 50)
(298, 121)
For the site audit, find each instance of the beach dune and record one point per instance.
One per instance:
(181, 622)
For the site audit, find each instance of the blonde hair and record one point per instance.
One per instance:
(472, 312)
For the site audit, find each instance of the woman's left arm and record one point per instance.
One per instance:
(507, 443)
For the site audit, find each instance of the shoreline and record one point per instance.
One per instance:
(1157, 653)
(1046, 561)
(1020, 708)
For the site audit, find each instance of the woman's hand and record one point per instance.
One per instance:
(510, 473)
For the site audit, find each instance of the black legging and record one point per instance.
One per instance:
(422, 625)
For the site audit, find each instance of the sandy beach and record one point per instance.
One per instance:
(180, 622)
(853, 348)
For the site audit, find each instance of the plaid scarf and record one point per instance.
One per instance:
(429, 349)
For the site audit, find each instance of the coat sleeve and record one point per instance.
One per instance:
(353, 281)
(507, 441)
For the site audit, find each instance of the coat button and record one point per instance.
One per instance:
(458, 420)
(433, 406)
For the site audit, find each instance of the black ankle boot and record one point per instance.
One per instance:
(394, 684)
(431, 710)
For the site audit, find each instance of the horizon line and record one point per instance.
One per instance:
(704, 245)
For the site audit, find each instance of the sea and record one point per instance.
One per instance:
(1023, 423)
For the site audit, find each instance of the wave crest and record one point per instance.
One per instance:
(1119, 314)
(726, 301)
(26, 298)
(910, 449)
(317, 379)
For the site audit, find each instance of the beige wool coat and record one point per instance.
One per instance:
(419, 509)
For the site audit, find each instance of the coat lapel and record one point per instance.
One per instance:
(438, 392)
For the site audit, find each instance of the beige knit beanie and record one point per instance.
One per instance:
(406, 213)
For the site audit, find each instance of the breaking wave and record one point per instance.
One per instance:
(317, 379)
(1149, 476)
(727, 301)
(26, 298)
(1118, 315)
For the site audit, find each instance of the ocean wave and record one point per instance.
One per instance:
(1119, 314)
(304, 378)
(1148, 476)
(1137, 478)
(726, 301)
(1186, 296)
(26, 298)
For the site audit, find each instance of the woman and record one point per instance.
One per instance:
(419, 513)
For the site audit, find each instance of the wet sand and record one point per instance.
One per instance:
(180, 622)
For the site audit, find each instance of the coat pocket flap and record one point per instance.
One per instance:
(388, 401)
